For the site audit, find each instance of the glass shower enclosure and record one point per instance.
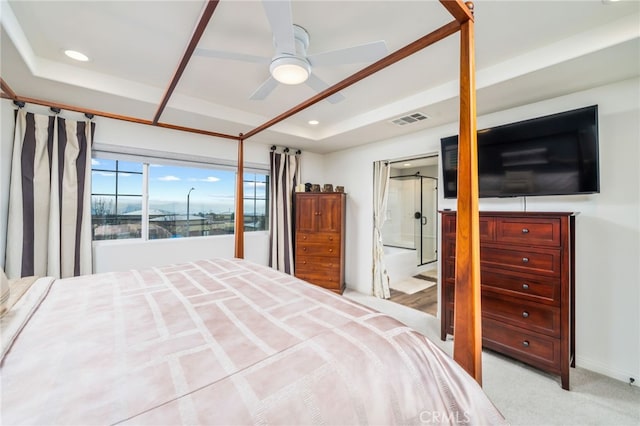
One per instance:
(412, 215)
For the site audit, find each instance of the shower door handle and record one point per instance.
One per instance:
(417, 215)
(424, 220)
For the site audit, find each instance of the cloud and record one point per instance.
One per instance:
(168, 178)
(108, 174)
(207, 179)
(254, 184)
(95, 162)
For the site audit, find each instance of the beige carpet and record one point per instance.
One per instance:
(412, 285)
(525, 395)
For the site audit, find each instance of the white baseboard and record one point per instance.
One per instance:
(598, 367)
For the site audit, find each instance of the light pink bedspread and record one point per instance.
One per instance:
(225, 342)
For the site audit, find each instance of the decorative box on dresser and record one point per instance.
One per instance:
(319, 238)
(527, 281)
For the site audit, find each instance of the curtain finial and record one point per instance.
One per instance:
(19, 104)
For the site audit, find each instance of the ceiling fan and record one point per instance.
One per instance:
(290, 64)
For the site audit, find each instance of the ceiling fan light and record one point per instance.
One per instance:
(290, 70)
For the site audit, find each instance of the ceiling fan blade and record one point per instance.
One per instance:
(281, 21)
(368, 52)
(264, 90)
(210, 53)
(319, 85)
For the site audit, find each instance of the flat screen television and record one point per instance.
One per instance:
(552, 155)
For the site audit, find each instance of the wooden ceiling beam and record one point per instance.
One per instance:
(9, 94)
(207, 13)
(410, 49)
(461, 11)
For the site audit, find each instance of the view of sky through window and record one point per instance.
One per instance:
(213, 189)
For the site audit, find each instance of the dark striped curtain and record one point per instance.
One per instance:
(285, 171)
(49, 228)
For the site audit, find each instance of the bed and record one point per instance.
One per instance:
(220, 341)
(467, 349)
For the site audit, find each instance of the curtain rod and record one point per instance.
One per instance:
(285, 149)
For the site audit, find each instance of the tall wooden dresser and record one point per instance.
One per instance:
(319, 238)
(527, 286)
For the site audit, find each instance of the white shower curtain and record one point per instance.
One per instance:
(381, 173)
(49, 224)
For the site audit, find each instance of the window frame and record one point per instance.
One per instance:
(147, 158)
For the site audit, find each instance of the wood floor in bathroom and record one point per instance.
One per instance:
(425, 300)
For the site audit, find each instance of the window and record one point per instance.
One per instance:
(255, 202)
(116, 199)
(160, 199)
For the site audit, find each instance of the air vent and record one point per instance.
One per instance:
(409, 119)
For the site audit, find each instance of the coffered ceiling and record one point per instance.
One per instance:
(525, 51)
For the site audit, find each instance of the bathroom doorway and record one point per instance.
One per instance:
(410, 233)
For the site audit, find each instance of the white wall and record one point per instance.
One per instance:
(122, 255)
(607, 227)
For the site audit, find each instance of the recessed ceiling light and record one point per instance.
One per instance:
(73, 54)
(314, 122)
(407, 164)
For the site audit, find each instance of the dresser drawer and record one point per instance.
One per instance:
(533, 348)
(540, 289)
(528, 231)
(318, 237)
(331, 282)
(531, 260)
(318, 265)
(310, 249)
(486, 224)
(529, 315)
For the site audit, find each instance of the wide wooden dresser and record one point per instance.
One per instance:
(527, 280)
(319, 238)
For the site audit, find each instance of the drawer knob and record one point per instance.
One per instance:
(525, 343)
(525, 314)
(304, 238)
(304, 249)
(525, 260)
(525, 286)
(304, 262)
(330, 250)
(525, 231)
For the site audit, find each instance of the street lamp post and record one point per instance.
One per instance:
(188, 195)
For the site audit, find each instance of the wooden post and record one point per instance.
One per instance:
(467, 346)
(239, 217)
